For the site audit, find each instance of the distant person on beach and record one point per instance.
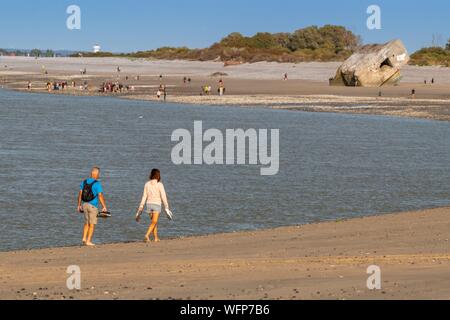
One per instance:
(221, 89)
(91, 193)
(206, 90)
(29, 86)
(154, 197)
(286, 77)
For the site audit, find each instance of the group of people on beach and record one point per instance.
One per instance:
(116, 87)
(207, 89)
(60, 86)
(91, 197)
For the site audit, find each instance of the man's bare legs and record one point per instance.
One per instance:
(153, 228)
(85, 233)
(91, 230)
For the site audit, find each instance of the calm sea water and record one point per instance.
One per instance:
(332, 167)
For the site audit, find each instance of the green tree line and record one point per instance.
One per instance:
(33, 53)
(432, 56)
(313, 43)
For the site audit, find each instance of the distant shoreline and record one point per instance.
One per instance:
(425, 109)
(258, 84)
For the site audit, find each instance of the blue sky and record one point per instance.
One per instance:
(132, 25)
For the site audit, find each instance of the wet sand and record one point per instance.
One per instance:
(318, 261)
(257, 85)
(431, 109)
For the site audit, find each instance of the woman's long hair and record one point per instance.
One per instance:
(155, 175)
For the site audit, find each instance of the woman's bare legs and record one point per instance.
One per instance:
(155, 234)
(153, 226)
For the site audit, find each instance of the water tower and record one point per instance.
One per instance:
(97, 48)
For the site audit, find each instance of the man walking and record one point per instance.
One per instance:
(91, 192)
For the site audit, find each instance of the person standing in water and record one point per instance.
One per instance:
(154, 197)
(91, 193)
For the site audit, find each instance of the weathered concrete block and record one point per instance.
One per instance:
(373, 66)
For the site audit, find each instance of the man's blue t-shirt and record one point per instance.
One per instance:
(96, 189)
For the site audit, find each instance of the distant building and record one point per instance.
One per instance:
(97, 48)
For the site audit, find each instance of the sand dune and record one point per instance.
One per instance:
(312, 71)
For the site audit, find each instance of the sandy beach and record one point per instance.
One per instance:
(256, 85)
(318, 261)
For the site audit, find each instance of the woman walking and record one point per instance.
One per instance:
(154, 197)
